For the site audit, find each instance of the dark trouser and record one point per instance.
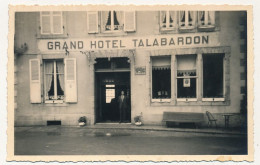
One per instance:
(122, 114)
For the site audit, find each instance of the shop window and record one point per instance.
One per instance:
(51, 22)
(54, 81)
(186, 78)
(168, 20)
(187, 19)
(161, 79)
(213, 78)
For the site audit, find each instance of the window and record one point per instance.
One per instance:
(54, 81)
(110, 92)
(51, 22)
(112, 21)
(213, 84)
(187, 19)
(186, 78)
(59, 79)
(168, 20)
(161, 79)
(206, 18)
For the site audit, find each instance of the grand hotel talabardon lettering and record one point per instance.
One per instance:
(169, 41)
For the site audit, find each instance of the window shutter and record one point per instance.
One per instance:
(35, 81)
(129, 19)
(45, 22)
(92, 22)
(57, 23)
(70, 80)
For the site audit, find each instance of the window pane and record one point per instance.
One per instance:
(213, 75)
(161, 77)
(121, 62)
(103, 63)
(186, 76)
(186, 88)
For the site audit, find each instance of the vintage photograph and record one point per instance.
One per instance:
(166, 82)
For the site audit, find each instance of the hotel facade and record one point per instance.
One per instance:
(70, 64)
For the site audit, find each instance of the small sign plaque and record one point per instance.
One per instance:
(140, 70)
(186, 82)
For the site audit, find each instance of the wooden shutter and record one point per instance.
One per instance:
(92, 22)
(129, 19)
(45, 22)
(35, 81)
(70, 80)
(57, 24)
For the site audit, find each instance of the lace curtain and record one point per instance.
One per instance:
(182, 16)
(48, 76)
(105, 15)
(106, 22)
(120, 17)
(60, 75)
(163, 18)
(212, 17)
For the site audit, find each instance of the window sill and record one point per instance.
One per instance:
(187, 100)
(206, 28)
(186, 29)
(213, 99)
(161, 100)
(163, 29)
(54, 102)
(111, 34)
(51, 36)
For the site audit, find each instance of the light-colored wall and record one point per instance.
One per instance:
(27, 30)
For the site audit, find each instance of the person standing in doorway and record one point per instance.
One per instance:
(123, 106)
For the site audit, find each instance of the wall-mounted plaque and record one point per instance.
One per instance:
(141, 70)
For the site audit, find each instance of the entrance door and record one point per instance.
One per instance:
(109, 86)
(112, 76)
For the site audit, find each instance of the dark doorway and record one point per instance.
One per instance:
(110, 80)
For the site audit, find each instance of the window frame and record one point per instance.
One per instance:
(214, 99)
(161, 100)
(51, 23)
(167, 16)
(47, 101)
(186, 20)
(178, 77)
(225, 101)
(112, 21)
(207, 19)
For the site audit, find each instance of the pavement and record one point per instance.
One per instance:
(128, 139)
(203, 131)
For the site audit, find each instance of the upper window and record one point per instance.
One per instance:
(187, 19)
(51, 22)
(112, 21)
(168, 20)
(206, 18)
(213, 76)
(186, 78)
(161, 79)
(54, 80)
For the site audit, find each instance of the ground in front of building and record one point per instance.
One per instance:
(56, 140)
